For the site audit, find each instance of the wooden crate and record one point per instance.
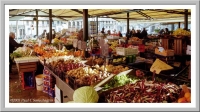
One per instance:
(167, 52)
(179, 46)
(27, 67)
(165, 43)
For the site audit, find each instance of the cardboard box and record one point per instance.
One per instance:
(164, 52)
(56, 100)
(57, 93)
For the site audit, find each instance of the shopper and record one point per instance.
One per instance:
(166, 31)
(120, 34)
(161, 32)
(53, 33)
(144, 33)
(12, 46)
(102, 31)
(108, 32)
(44, 34)
(138, 34)
(133, 33)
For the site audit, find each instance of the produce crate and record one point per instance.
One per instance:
(126, 51)
(27, 67)
(27, 80)
(167, 52)
(73, 84)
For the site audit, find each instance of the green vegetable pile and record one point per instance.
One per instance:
(85, 94)
(118, 81)
(22, 52)
(16, 55)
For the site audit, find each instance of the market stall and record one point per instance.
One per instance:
(116, 71)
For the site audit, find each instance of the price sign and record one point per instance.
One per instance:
(159, 66)
(161, 49)
(83, 45)
(79, 44)
(75, 42)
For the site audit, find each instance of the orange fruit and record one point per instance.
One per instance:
(187, 95)
(185, 88)
(188, 99)
(182, 100)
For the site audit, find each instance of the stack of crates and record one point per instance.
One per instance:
(27, 74)
(27, 80)
(49, 82)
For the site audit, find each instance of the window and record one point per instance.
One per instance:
(27, 22)
(47, 22)
(42, 22)
(58, 22)
(77, 23)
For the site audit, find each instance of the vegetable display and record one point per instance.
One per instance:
(144, 92)
(87, 75)
(22, 52)
(118, 81)
(85, 94)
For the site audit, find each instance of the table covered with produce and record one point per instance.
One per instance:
(99, 79)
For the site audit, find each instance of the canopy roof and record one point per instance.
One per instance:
(136, 15)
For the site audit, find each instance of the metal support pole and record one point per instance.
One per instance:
(186, 19)
(127, 21)
(179, 25)
(172, 26)
(85, 29)
(85, 24)
(50, 25)
(37, 22)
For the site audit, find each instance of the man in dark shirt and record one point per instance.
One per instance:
(12, 46)
(144, 33)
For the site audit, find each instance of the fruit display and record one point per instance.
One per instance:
(185, 96)
(55, 41)
(59, 66)
(78, 53)
(113, 45)
(91, 61)
(112, 69)
(73, 35)
(86, 75)
(135, 39)
(144, 92)
(119, 60)
(45, 52)
(181, 32)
